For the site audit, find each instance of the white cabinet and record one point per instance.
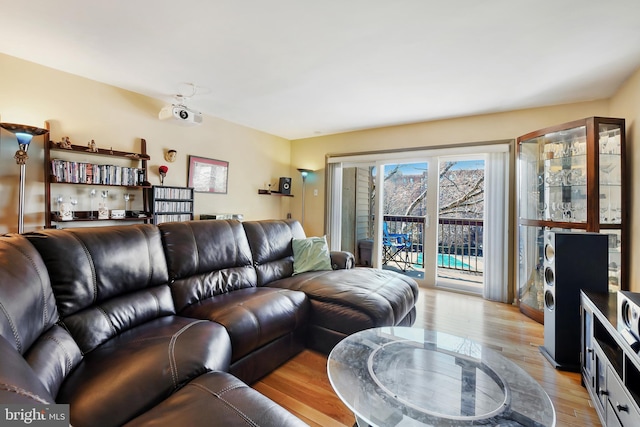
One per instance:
(610, 367)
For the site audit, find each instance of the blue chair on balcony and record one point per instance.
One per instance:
(396, 248)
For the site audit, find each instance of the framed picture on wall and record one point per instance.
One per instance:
(208, 175)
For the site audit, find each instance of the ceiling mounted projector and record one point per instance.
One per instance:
(181, 114)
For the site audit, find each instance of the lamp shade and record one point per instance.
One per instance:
(24, 133)
(24, 138)
(304, 172)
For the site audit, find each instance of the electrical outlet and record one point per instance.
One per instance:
(315, 192)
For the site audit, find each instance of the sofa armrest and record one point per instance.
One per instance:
(18, 382)
(342, 260)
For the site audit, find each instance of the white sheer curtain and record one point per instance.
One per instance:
(496, 243)
(333, 212)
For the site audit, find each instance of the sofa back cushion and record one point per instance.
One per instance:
(206, 258)
(271, 247)
(27, 304)
(105, 279)
(28, 315)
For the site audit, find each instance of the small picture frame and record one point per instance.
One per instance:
(208, 175)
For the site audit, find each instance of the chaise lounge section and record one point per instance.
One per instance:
(343, 300)
(145, 325)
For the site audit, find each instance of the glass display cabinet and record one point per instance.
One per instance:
(571, 178)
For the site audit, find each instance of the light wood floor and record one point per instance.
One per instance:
(302, 386)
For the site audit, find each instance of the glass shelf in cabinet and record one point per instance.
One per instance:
(560, 159)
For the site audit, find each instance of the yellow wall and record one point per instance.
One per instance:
(84, 109)
(626, 104)
(310, 153)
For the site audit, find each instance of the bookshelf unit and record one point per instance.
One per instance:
(80, 166)
(169, 204)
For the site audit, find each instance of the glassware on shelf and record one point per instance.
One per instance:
(126, 197)
(609, 141)
(74, 202)
(542, 210)
(59, 200)
(92, 195)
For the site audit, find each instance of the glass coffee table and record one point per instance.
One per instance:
(399, 376)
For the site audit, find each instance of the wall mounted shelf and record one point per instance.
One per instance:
(273, 193)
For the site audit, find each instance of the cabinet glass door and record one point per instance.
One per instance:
(610, 174)
(553, 173)
(565, 176)
(570, 178)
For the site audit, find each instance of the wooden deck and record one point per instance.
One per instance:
(302, 386)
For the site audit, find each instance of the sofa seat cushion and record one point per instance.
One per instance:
(348, 301)
(253, 317)
(217, 399)
(139, 368)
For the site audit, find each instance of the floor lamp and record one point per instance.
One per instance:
(304, 173)
(24, 134)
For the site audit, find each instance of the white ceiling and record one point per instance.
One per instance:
(300, 68)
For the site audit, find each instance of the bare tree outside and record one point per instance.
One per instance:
(461, 190)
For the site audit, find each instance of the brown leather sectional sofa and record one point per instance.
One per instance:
(144, 325)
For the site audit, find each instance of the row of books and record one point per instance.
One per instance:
(172, 218)
(166, 206)
(89, 173)
(172, 193)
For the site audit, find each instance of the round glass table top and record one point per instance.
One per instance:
(399, 376)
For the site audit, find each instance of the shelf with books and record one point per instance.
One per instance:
(68, 164)
(169, 204)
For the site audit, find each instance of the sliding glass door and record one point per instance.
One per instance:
(438, 217)
(386, 210)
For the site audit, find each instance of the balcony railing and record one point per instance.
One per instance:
(460, 244)
(459, 241)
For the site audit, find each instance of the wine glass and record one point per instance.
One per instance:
(60, 199)
(542, 207)
(92, 195)
(74, 202)
(555, 208)
(567, 213)
(127, 197)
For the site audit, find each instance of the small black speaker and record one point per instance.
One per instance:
(572, 261)
(284, 187)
